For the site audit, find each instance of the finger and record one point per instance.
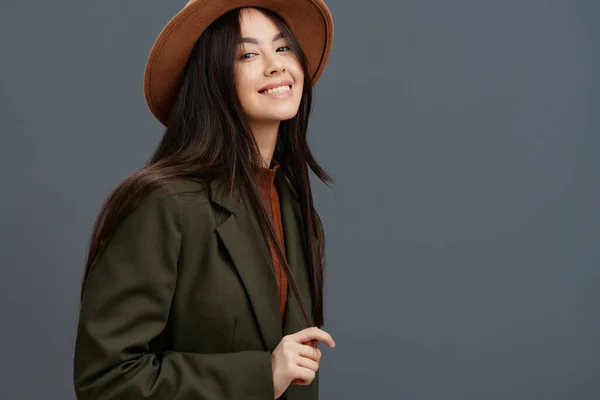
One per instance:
(304, 374)
(310, 352)
(314, 333)
(307, 363)
(300, 382)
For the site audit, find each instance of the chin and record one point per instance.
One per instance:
(273, 114)
(284, 116)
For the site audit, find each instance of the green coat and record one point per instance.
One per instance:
(183, 306)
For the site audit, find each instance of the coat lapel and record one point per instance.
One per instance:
(253, 268)
(294, 247)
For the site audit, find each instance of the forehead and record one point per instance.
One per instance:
(254, 23)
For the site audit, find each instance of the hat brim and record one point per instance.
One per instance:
(309, 20)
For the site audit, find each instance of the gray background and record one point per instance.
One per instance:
(463, 228)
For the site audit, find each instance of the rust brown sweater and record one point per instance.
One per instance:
(271, 197)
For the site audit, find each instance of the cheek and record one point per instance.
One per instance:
(298, 74)
(239, 84)
(243, 83)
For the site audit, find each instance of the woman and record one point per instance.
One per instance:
(185, 292)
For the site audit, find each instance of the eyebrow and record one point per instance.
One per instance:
(254, 41)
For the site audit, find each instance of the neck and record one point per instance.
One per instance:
(265, 135)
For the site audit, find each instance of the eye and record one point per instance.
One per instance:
(248, 55)
(283, 48)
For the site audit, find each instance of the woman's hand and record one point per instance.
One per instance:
(296, 358)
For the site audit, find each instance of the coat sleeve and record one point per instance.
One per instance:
(125, 305)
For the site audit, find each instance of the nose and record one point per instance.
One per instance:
(274, 65)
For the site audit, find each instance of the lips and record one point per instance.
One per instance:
(273, 85)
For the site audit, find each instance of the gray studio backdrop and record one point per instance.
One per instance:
(463, 227)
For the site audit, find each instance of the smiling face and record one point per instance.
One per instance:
(268, 77)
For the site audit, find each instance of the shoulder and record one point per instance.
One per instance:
(180, 188)
(171, 199)
(164, 213)
(177, 192)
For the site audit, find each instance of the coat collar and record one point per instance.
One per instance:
(253, 265)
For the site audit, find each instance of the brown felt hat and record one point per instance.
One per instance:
(309, 20)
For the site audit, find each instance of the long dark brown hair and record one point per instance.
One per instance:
(208, 139)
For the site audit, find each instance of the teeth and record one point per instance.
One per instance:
(279, 89)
